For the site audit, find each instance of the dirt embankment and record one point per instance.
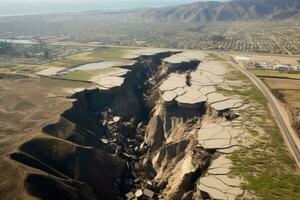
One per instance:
(294, 114)
(121, 143)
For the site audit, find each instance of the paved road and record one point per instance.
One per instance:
(288, 132)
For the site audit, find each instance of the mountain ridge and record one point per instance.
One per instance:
(228, 11)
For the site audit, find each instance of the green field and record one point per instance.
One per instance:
(6, 66)
(109, 54)
(267, 168)
(270, 173)
(276, 74)
(97, 55)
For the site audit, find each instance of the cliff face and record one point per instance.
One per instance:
(174, 157)
(129, 141)
(72, 171)
(92, 155)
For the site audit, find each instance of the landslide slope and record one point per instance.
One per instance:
(229, 11)
(35, 164)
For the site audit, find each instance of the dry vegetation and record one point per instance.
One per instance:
(285, 85)
(26, 106)
(73, 56)
(288, 91)
(254, 164)
(276, 74)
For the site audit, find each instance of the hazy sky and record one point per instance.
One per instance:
(182, 1)
(22, 7)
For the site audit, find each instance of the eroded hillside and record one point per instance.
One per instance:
(173, 125)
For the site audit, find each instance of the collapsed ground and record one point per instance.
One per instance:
(180, 126)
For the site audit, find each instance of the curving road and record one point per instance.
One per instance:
(281, 114)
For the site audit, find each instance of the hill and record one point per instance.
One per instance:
(229, 11)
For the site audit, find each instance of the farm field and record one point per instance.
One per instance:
(83, 55)
(276, 74)
(92, 56)
(288, 92)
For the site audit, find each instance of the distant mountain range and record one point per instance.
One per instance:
(229, 11)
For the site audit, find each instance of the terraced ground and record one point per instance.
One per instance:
(175, 124)
(270, 153)
(73, 57)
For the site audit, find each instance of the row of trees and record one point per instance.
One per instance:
(41, 50)
(43, 47)
(6, 48)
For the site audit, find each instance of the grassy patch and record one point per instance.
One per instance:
(108, 53)
(270, 173)
(79, 75)
(268, 168)
(247, 90)
(253, 132)
(67, 63)
(99, 54)
(5, 66)
(278, 74)
(215, 57)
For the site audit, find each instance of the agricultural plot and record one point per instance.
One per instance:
(93, 56)
(288, 91)
(276, 74)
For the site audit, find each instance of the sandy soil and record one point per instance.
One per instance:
(26, 106)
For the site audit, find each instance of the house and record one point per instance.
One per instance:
(260, 65)
(281, 67)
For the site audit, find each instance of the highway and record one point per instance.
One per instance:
(281, 115)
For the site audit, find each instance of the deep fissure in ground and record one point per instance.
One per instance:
(121, 144)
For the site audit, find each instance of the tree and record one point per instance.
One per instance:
(47, 54)
(6, 48)
(44, 49)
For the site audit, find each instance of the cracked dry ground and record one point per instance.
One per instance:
(176, 125)
(218, 131)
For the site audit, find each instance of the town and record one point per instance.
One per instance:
(268, 65)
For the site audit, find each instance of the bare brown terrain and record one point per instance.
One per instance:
(288, 91)
(283, 84)
(89, 111)
(35, 161)
(168, 126)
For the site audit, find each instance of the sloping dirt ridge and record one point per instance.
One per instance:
(162, 134)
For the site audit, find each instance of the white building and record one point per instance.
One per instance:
(281, 67)
(242, 58)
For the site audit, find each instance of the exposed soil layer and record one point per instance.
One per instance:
(121, 143)
(295, 118)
